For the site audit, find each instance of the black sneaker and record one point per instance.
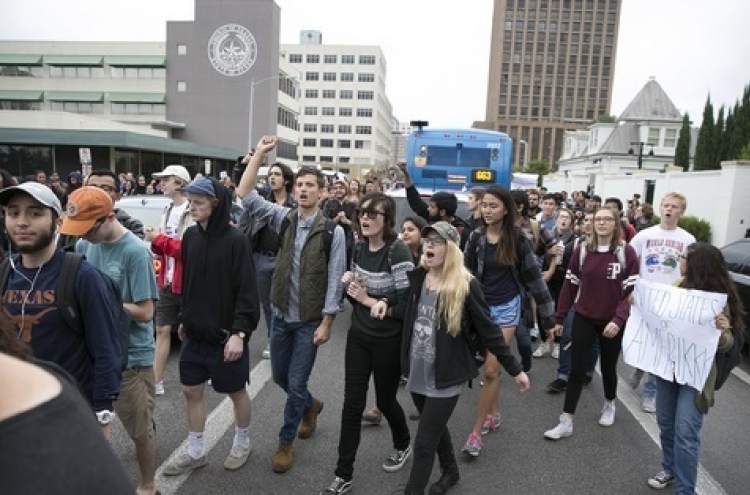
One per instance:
(397, 460)
(661, 480)
(447, 481)
(338, 486)
(557, 386)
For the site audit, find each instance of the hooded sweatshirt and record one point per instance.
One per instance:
(219, 292)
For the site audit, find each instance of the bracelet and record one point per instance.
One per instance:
(385, 300)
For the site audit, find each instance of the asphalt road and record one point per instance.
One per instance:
(516, 459)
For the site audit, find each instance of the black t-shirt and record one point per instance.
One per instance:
(498, 283)
(58, 447)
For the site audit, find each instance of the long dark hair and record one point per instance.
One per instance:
(706, 270)
(507, 247)
(389, 214)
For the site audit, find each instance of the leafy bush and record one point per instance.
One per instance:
(700, 228)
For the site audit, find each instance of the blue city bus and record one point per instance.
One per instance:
(458, 159)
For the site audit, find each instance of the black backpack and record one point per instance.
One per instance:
(328, 229)
(67, 303)
(727, 361)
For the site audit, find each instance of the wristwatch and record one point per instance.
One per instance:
(105, 417)
(241, 335)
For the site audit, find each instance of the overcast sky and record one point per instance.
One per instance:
(438, 50)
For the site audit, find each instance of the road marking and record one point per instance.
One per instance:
(741, 375)
(631, 399)
(217, 424)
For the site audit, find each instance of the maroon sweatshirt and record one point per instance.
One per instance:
(600, 291)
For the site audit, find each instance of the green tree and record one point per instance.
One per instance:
(682, 153)
(718, 137)
(726, 136)
(540, 167)
(605, 119)
(704, 149)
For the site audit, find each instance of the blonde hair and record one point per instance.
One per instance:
(453, 288)
(679, 197)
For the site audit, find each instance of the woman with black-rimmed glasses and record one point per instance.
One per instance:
(377, 286)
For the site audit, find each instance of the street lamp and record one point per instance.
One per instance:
(525, 153)
(640, 145)
(254, 83)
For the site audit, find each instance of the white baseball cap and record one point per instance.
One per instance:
(173, 171)
(39, 192)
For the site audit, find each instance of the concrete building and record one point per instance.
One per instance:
(649, 126)
(551, 70)
(345, 115)
(139, 106)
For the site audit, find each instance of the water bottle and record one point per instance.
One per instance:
(560, 256)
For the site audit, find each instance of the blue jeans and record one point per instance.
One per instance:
(680, 427)
(564, 359)
(264, 267)
(292, 359)
(649, 386)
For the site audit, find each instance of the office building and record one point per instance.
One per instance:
(345, 115)
(551, 70)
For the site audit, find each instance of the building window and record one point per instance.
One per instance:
(365, 95)
(309, 158)
(508, 25)
(313, 59)
(326, 128)
(670, 138)
(346, 94)
(329, 76)
(329, 93)
(345, 129)
(367, 60)
(311, 93)
(366, 77)
(347, 76)
(345, 111)
(310, 128)
(654, 133)
(363, 129)
(309, 143)
(311, 76)
(295, 58)
(364, 112)
(330, 59)
(345, 143)
(326, 143)
(347, 59)
(181, 49)
(326, 158)
(181, 86)
(20, 105)
(311, 110)
(329, 111)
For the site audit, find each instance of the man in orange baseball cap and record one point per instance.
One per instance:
(88, 207)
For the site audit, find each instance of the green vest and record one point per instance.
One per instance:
(313, 274)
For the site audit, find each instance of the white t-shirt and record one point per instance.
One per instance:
(170, 230)
(659, 252)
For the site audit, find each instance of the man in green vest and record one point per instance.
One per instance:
(305, 292)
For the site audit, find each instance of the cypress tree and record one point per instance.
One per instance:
(726, 136)
(682, 152)
(704, 149)
(717, 140)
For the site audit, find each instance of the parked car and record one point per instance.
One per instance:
(147, 209)
(737, 258)
(403, 210)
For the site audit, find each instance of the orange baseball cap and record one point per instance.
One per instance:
(86, 205)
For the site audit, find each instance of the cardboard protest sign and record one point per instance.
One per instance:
(671, 332)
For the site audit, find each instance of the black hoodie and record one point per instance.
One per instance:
(219, 292)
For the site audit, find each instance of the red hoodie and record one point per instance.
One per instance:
(164, 246)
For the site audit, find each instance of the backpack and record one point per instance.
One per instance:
(619, 252)
(360, 245)
(727, 361)
(328, 229)
(67, 303)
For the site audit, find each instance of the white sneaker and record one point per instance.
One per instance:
(534, 332)
(608, 414)
(266, 354)
(562, 430)
(541, 350)
(555, 352)
(159, 388)
(648, 404)
(237, 457)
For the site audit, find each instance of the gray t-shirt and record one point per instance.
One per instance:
(422, 367)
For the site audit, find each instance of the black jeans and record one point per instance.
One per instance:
(585, 330)
(381, 358)
(432, 437)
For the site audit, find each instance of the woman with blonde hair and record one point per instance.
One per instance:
(444, 308)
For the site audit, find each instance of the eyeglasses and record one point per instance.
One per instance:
(434, 241)
(107, 188)
(603, 219)
(371, 214)
(95, 228)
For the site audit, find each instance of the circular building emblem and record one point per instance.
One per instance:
(232, 50)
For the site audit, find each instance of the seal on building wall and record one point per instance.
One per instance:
(232, 50)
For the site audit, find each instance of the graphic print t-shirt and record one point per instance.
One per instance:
(659, 252)
(422, 367)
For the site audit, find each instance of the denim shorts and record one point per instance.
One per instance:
(507, 314)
